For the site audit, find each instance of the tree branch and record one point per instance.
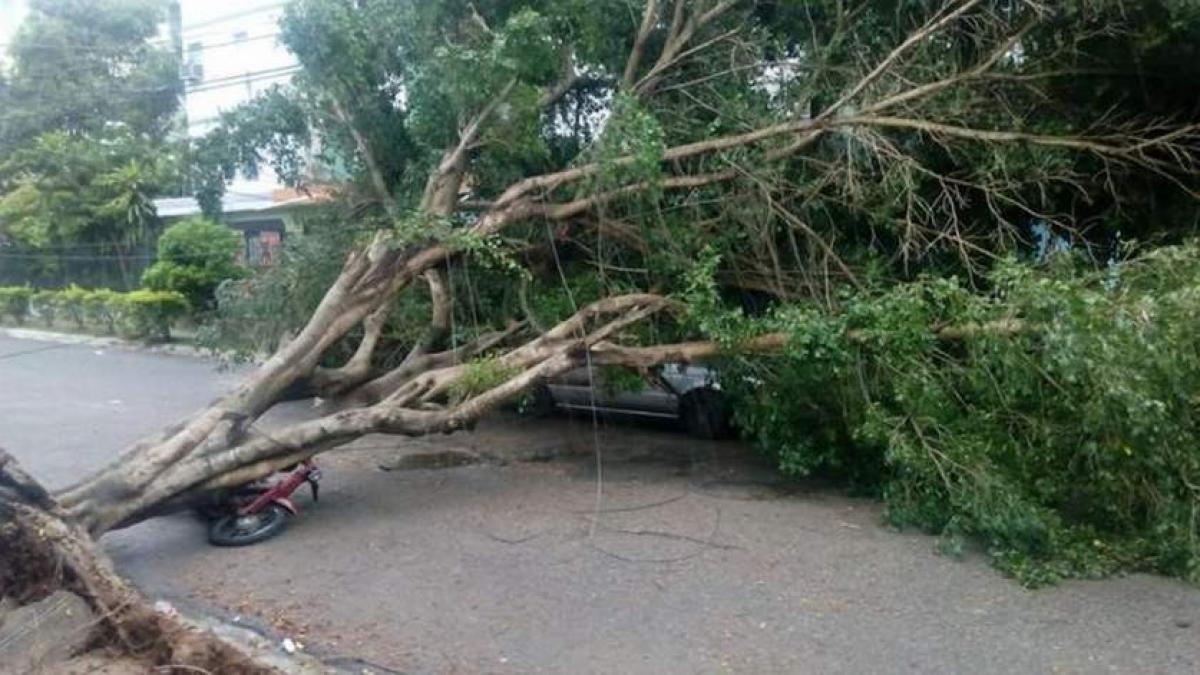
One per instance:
(332, 381)
(566, 83)
(649, 19)
(681, 33)
(382, 193)
(930, 28)
(440, 314)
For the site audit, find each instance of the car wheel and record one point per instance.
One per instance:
(704, 413)
(540, 402)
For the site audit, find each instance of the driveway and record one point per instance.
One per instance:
(678, 557)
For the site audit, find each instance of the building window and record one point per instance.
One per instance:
(263, 239)
(262, 248)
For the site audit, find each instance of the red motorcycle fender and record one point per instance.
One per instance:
(287, 504)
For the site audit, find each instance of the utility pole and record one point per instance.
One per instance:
(180, 123)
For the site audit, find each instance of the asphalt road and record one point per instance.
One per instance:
(692, 558)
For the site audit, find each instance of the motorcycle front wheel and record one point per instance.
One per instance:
(235, 530)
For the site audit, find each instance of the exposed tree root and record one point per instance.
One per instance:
(40, 552)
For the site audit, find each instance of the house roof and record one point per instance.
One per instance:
(233, 203)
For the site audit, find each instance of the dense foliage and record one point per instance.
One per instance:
(1054, 419)
(142, 314)
(195, 256)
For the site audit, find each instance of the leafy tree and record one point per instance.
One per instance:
(67, 191)
(194, 257)
(85, 67)
(87, 105)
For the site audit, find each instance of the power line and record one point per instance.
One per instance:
(236, 15)
(242, 78)
(87, 68)
(97, 256)
(235, 42)
(187, 30)
(212, 85)
(116, 49)
(266, 72)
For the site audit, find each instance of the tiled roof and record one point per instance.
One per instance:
(237, 202)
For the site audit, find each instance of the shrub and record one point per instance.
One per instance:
(141, 314)
(194, 257)
(147, 315)
(70, 301)
(14, 302)
(253, 314)
(44, 303)
(101, 307)
(1066, 444)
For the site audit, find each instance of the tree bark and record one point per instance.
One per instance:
(44, 550)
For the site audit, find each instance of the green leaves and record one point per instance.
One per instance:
(89, 68)
(478, 376)
(65, 189)
(1068, 448)
(630, 131)
(194, 257)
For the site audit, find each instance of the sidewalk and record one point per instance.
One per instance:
(104, 342)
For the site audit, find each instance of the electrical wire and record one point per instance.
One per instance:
(186, 31)
(146, 93)
(186, 28)
(587, 354)
(120, 50)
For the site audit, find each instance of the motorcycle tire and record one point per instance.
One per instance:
(235, 530)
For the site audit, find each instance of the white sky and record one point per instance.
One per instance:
(12, 12)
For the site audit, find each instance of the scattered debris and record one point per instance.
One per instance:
(165, 608)
(439, 459)
(45, 633)
(94, 663)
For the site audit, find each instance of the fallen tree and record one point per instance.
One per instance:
(707, 106)
(218, 446)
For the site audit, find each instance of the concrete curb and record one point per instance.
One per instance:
(107, 342)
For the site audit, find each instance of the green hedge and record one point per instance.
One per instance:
(141, 314)
(14, 302)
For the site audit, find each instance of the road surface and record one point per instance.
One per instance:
(690, 558)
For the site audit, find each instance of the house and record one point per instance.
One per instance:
(265, 220)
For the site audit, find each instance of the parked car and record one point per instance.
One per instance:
(688, 394)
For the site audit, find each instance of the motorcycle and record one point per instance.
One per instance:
(258, 511)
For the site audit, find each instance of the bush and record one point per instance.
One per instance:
(44, 303)
(1067, 444)
(14, 302)
(194, 257)
(141, 314)
(147, 315)
(70, 301)
(101, 307)
(252, 315)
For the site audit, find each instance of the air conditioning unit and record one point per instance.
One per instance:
(192, 73)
